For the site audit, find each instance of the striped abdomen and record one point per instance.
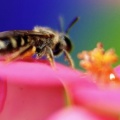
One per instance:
(10, 44)
(11, 41)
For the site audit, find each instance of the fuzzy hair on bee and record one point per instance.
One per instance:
(42, 41)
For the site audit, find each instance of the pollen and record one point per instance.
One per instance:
(98, 62)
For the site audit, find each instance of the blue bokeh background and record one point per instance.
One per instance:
(99, 20)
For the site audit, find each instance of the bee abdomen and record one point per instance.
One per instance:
(13, 43)
(22, 41)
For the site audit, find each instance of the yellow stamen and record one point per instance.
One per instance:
(99, 62)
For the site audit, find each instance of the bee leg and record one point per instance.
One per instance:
(68, 58)
(50, 56)
(27, 54)
(19, 53)
(41, 53)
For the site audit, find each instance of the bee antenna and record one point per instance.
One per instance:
(61, 24)
(71, 24)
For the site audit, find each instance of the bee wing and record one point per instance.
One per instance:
(15, 33)
(5, 34)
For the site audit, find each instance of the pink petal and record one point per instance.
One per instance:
(117, 70)
(3, 88)
(34, 90)
(107, 101)
(73, 113)
(103, 101)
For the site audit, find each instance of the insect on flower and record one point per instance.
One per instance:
(42, 41)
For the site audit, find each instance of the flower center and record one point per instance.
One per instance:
(99, 62)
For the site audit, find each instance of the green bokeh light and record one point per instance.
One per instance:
(102, 24)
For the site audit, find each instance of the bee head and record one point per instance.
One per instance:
(64, 40)
(64, 43)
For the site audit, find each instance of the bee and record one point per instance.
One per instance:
(42, 41)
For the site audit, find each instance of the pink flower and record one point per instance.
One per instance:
(35, 91)
(98, 90)
(73, 113)
(102, 101)
(31, 90)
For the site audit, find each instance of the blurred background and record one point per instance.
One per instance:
(99, 20)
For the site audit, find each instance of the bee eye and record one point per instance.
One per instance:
(57, 50)
(68, 43)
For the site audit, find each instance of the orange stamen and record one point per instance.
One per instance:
(99, 62)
